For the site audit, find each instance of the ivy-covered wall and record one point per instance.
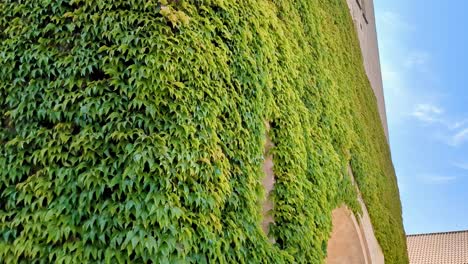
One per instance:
(133, 130)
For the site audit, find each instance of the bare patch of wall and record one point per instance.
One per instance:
(268, 182)
(353, 239)
(346, 244)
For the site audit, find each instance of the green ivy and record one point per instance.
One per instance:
(133, 130)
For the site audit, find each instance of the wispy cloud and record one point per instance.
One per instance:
(450, 130)
(453, 134)
(438, 179)
(461, 165)
(403, 72)
(460, 137)
(428, 113)
(458, 124)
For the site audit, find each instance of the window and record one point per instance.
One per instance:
(362, 6)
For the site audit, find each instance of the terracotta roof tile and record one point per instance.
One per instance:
(438, 248)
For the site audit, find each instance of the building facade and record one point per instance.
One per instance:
(353, 240)
(362, 12)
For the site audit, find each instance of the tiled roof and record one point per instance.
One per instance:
(438, 248)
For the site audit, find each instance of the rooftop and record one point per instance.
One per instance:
(438, 248)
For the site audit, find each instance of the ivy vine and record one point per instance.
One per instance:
(133, 131)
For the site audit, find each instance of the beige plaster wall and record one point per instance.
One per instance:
(363, 15)
(346, 244)
(353, 240)
(268, 183)
(374, 250)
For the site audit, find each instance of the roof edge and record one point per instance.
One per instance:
(438, 233)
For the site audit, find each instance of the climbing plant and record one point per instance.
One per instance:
(133, 130)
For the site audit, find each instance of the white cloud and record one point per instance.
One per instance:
(404, 70)
(453, 132)
(458, 124)
(428, 113)
(460, 137)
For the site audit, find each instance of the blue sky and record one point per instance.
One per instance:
(424, 58)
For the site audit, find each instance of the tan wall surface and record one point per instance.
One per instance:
(352, 241)
(268, 183)
(373, 247)
(346, 244)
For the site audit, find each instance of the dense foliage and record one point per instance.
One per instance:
(133, 130)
